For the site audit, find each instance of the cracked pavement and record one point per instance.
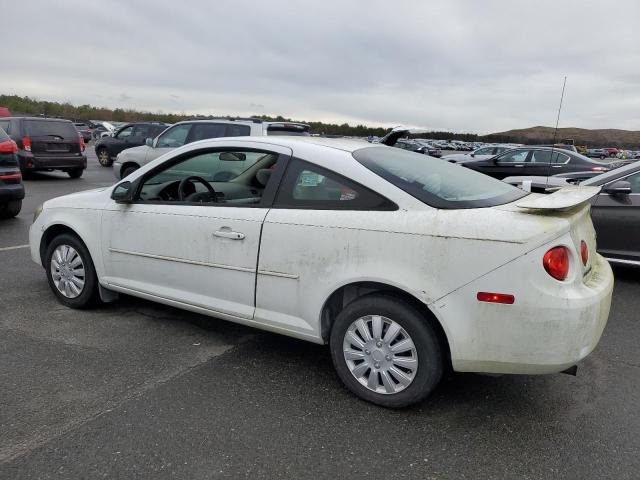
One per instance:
(140, 390)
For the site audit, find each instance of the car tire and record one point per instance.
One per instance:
(602, 157)
(10, 209)
(75, 172)
(64, 270)
(103, 157)
(390, 389)
(128, 171)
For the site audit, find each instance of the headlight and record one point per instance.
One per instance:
(37, 213)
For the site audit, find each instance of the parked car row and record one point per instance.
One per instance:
(130, 159)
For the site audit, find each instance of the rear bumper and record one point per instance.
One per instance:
(11, 192)
(31, 162)
(549, 328)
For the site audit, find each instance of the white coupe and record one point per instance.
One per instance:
(405, 265)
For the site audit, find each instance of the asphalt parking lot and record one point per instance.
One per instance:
(139, 390)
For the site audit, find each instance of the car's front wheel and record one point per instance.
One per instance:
(70, 272)
(103, 157)
(386, 351)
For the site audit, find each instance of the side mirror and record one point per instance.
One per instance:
(473, 154)
(148, 142)
(621, 187)
(123, 193)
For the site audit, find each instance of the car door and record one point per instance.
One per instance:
(201, 253)
(118, 142)
(312, 206)
(616, 219)
(544, 163)
(505, 165)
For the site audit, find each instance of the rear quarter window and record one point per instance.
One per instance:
(39, 128)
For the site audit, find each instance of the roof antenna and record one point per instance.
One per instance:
(555, 133)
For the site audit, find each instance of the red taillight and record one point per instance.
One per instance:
(584, 252)
(11, 176)
(496, 297)
(26, 143)
(81, 143)
(556, 262)
(8, 146)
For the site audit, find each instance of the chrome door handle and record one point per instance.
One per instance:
(224, 233)
(556, 166)
(518, 165)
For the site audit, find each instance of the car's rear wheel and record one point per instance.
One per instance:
(103, 157)
(128, 170)
(70, 272)
(75, 172)
(10, 209)
(385, 351)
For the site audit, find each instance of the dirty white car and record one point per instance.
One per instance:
(405, 265)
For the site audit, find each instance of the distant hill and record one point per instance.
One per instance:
(592, 138)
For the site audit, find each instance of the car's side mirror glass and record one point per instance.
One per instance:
(473, 154)
(621, 187)
(123, 193)
(149, 142)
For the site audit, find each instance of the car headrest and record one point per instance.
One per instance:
(263, 176)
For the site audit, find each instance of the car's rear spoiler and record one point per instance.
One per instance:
(397, 132)
(563, 199)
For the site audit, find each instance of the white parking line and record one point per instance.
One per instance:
(15, 247)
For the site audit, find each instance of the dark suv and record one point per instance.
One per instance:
(127, 136)
(46, 144)
(11, 187)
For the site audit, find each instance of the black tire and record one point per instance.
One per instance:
(10, 209)
(75, 172)
(103, 157)
(425, 338)
(602, 157)
(89, 296)
(128, 171)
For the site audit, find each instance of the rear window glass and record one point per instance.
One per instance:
(436, 182)
(4, 124)
(288, 129)
(3, 135)
(47, 127)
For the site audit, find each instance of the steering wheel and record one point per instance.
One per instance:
(210, 195)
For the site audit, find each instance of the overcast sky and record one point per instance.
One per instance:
(480, 66)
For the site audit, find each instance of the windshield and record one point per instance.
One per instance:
(436, 182)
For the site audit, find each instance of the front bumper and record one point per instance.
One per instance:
(550, 327)
(117, 167)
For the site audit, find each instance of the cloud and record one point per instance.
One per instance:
(457, 65)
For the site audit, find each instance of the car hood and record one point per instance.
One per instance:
(135, 152)
(85, 199)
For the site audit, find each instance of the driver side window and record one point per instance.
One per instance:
(514, 157)
(228, 178)
(174, 137)
(124, 133)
